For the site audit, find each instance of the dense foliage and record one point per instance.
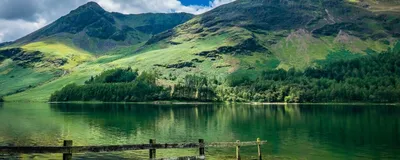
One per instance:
(373, 78)
(114, 76)
(195, 87)
(112, 86)
(127, 85)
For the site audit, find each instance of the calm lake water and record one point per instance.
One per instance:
(292, 131)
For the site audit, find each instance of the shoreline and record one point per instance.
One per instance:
(204, 103)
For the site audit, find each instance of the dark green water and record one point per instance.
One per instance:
(293, 131)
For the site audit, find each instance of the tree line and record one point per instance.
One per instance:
(371, 78)
(114, 86)
(127, 85)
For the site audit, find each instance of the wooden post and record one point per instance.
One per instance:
(259, 149)
(67, 156)
(201, 148)
(238, 150)
(152, 152)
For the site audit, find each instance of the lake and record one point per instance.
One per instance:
(292, 131)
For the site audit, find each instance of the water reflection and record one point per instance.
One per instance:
(334, 132)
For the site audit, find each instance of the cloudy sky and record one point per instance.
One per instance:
(21, 17)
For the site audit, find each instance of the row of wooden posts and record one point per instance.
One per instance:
(68, 149)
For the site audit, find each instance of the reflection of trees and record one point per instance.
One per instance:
(138, 123)
(290, 129)
(327, 124)
(353, 126)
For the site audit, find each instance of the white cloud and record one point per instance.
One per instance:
(14, 29)
(14, 26)
(157, 6)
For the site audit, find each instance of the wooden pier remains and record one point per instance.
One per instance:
(68, 149)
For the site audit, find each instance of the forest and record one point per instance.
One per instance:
(370, 78)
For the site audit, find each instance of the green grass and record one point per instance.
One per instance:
(43, 75)
(173, 54)
(43, 92)
(15, 78)
(54, 51)
(299, 50)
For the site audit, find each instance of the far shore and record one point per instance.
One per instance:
(203, 103)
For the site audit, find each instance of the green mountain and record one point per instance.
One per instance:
(236, 40)
(292, 33)
(93, 29)
(77, 38)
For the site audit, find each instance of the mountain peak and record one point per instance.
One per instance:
(90, 5)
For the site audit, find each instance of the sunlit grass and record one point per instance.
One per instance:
(54, 51)
(353, 1)
(14, 78)
(42, 93)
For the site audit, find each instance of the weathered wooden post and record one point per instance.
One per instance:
(201, 148)
(238, 150)
(152, 152)
(67, 156)
(259, 149)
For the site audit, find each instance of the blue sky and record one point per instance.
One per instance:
(195, 2)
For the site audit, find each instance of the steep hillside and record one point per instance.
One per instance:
(93, 29)
(254, 35)
(81, 36)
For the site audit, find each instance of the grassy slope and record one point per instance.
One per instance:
(302, 50)
(53, 51)
(15, 78)
(77, 74)
(18, 78)
(297, 52)
(43, 92)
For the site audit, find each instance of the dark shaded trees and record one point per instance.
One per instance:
(114, 76)
(373, 78)
(115, 85)
(195, 88)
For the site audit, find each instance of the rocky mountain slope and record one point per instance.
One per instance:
(93, 29)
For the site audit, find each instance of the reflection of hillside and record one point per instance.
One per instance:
(336, 125)
(141, 122)
(353, 126)
(23, 125)
(291, 130)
